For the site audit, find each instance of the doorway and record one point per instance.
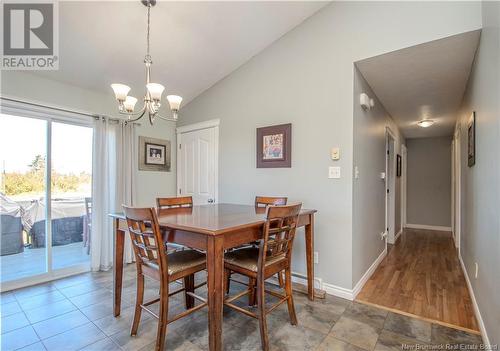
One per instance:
(390, 186)
(197, 158)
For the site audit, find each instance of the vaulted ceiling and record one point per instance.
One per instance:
(193, 44)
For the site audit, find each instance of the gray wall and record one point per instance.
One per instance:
(35, 88)
(480, 236)
(368, 219)
(306, 78)
(429, 181)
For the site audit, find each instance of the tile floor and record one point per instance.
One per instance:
(76, 314)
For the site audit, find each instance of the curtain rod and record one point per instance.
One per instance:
(95, 116)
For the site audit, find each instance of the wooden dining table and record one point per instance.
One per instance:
(212, 228)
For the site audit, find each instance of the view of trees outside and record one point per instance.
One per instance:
(33, 181)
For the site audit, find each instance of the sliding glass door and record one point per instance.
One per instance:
(45, 215)
(23, 147)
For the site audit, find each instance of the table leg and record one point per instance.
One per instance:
(118, 267)
(309, 228)
(215, 285)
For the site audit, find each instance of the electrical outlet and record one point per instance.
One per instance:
(316, 257)
(477, 270)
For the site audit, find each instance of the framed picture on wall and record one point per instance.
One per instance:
(398, 165)
(154, 154)
(274, 146)
(471, 141)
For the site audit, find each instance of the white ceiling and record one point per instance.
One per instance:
(423, 81)
(193, 44)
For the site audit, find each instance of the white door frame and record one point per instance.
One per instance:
(390, 200)
(404, 174)
(456, 183)
(213, 123)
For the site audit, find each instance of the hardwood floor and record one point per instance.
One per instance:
(421, 276)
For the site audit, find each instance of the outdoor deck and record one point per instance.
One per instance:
(33, 261)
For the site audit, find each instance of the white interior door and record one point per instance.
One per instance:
(197, 159)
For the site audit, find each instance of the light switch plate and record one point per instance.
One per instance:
(334, 172)
(335, 153)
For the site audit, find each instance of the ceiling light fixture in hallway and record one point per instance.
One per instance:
(425, 123)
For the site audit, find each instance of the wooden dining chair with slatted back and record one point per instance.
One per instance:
(166, 203)
(273, 256)
(152, 261)
(261, 202)
(265, 201)
(174, 202)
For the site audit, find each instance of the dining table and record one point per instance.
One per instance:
(211, 228)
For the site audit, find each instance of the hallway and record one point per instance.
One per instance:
(421, 277)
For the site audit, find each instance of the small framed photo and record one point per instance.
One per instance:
(154, 154)
(398, 165)
(471, 141)
(274, 146)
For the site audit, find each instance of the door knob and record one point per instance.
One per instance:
(210, 201)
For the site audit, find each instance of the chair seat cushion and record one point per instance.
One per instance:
(179, 261)
(248, 257)
(182, 260)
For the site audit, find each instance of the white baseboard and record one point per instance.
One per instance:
(300, 279)
(368, 273)
(398, 235)
(482, 328)
(350, 294)
(428, 227)
(338, 291)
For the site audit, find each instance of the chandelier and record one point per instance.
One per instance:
(152, 98)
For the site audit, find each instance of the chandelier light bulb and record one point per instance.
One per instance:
(155, 90)
(129, 103)
(121, 91)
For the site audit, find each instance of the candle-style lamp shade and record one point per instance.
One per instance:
(129, 103)
(121, 91)
(174, 101)
(155, 90)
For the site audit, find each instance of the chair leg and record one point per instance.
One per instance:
(289, 294)
(261, 305)
(227, 280)
(281, 281)
(163, 320)
(139, 299)
(189, 286)
(252, 282)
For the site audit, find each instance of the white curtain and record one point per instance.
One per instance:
(113, 184)
(127, 159)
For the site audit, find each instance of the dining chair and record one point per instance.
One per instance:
(261, 202)
(87, 230)
(264, 201)
(273, 256)
(152, 261)
(174, 202)
(166, 203)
